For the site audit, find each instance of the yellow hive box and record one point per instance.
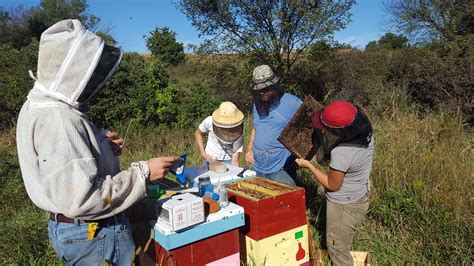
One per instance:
(287, 248)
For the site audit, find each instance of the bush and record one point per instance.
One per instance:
(164, 47)
(131, 94)
(438, 76)
(167, 103)
(227, 76)
(434, 233)
(346, 74)
(196, 103)
(15, 83)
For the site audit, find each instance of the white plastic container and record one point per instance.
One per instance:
(222, 192)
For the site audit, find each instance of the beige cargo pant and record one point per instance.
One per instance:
(342, 221)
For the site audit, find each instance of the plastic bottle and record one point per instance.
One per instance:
(204, 184)
(222, 192)
(212, 195)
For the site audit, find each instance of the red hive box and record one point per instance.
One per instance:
(213, 249)
(270, 207)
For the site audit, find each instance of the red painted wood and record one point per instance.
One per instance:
(201, 252)
(271, 216)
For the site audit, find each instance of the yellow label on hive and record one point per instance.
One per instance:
(287, 248)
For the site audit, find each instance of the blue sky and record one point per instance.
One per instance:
(130, 20)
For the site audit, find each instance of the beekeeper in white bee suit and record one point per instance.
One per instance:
(68, 166)
(225, 134)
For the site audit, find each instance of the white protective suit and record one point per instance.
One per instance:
(67, 165)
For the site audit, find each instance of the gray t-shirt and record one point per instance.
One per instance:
(356, 162)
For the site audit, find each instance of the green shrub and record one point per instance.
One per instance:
(23, 226)
(15, 82)
(435, 233)
(131, 93)
(167, 103)
(227, 76)
(348, 74)
(164, 47)
(438, 76)
(196, 103)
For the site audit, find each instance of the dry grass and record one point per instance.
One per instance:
(421, 199)
(421, 208)
(8, 141)
(432, 155)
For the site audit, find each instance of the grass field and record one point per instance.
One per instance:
(421, 199)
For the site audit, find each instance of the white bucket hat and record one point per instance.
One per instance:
(227, 116)
(263, 77)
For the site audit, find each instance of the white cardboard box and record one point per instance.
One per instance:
(195, 208)
(181, 211)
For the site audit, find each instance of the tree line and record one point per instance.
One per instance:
(295, 37)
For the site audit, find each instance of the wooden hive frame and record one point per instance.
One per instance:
(259, 188)
(297, 136)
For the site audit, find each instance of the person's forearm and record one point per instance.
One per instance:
(235, 159)
(199, 142)
(251, 138)
(320, 176)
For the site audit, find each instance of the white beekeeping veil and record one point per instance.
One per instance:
(73, 63)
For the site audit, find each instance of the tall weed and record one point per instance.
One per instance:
(421, 202)
(23, 230)
(421, 197)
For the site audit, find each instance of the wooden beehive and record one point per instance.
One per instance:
(297, 136)
(270, 207)
(260, 188)
(287, 248)
(221, 249)
(360, 258)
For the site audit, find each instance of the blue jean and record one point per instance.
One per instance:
(113, 242)
(281, 176)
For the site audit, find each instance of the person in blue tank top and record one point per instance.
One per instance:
(272, 111)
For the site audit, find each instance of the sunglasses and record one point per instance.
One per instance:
(264, 90)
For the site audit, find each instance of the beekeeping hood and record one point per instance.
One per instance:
(356, 130)
(73, 64)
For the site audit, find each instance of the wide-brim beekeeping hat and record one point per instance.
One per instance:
(227, 116)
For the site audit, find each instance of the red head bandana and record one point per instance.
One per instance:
(337, 114)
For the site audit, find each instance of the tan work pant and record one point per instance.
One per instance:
(342, 221)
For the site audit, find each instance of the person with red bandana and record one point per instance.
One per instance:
(345, 139)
